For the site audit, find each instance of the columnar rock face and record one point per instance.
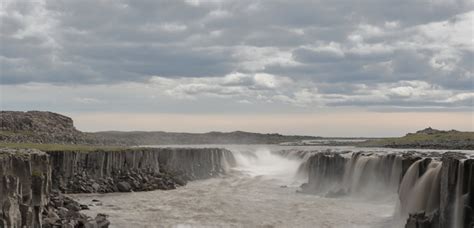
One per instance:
(334, 174)
(135, 169)
(457, 191)
(435, 190)
(195, 163)
(24, 187)
(26, 179)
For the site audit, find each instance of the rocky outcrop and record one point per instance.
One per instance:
(40, 127)
(137, 169)
(24, 187)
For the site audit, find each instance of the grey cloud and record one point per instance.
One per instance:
(337, 47)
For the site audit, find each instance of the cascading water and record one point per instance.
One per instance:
(374, 176)
(263, 163)
(420, 193)
(408, 181)
(458, 213)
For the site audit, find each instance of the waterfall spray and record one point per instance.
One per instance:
(458, 216)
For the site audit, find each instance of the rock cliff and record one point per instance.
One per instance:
(30, 179)
(24, 187)
(435, 190)
(136, 169)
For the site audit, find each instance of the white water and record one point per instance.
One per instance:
(420, 193)
(259, 192)
(261, 163)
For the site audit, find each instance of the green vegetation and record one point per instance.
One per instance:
(437, 139)
(13, 133)
(61, 147)
(37, 173)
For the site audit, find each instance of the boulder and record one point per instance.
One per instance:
(124, 186)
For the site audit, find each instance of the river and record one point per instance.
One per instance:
(260, 191)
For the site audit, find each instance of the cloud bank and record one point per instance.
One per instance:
(237, 55)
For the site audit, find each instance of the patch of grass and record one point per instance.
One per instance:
(449, 136)
(61, 147)
(36, 173)
(12, 133)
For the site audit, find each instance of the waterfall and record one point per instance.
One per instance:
(369, 175)
(263, 163)
(408, 181)
(424, 195)
(432, 188)
(458, 212)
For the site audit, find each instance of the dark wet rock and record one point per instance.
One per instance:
(124, 186)
(25, 180)
(420, 220)
(68, 214)
(101, 220)
(452, 177)
(324, 169)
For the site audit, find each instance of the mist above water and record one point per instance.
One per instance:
(261, 162)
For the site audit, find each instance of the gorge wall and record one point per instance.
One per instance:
(24, 187)
(136, 169)
(31, 178)
(434, 190)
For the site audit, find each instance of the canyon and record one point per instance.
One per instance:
(432, 188)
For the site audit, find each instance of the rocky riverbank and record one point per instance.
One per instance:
(435, 190)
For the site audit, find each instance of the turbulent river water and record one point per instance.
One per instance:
(260, 191)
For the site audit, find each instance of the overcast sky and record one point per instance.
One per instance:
(335, 67)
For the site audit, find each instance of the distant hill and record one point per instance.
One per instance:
(49, 127)
(428, 138)
(40, 127)
(164, 138)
